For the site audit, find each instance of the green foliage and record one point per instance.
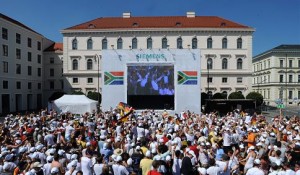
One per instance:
(219, 95)
(56, 95)
(204, 96)
(256, 96)
(236, 95)
(77, 93)
(95, 96)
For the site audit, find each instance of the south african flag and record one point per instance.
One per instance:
(113, 78)
(187, 77)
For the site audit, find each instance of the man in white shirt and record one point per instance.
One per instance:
(69, 130)
(213, 169)
(86, 165)
(255, 170)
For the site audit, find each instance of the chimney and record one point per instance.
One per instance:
(126, 15)
(190, 14)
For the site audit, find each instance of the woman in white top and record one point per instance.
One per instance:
(249, 159)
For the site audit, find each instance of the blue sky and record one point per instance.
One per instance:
(276, 21)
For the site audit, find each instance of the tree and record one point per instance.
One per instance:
(77, 93)
(204, 96)
(56, 95)
(256, 96)
(219, 95)
(95, 96)
(236, 95)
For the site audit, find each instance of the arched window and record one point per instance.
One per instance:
(239, 43)
(149, 43)
(209, 43)
(179, 43)
(209, 63)
(120, 43)
(239, 63)
(194, 43)
(89, 64)
(75, 64)
(134, 43)
(74, 44)
(104, 44)
(89, 44)
(224, 63)
(164, 43)
(224, 43)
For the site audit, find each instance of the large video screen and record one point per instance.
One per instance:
(150, 80)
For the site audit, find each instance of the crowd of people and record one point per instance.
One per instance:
(149, 143)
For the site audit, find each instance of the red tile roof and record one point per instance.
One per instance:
(55, 47)
(158, 22)
(16, 23)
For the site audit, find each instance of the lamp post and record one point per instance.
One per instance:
(98, 81)
(208, 80)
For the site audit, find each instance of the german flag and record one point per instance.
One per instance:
(125, 111)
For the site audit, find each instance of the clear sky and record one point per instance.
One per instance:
(275, 21)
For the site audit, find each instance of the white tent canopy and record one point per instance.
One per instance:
(76, 104)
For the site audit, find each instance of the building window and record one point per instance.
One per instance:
(239, 63)
(290, 63)
(179, 43)
(18, 68)
(75, 80)
(239, 42)
(5, 50)
(18, 53)
(39, 72)
(290, 78)
(164, 43)
(51, 84)
(18, 38)
(281, 63)
(210, 80)
(18, 85)
(104, 44)
(119, 43)
(239, 79)
(224, 63)
(74, 44)
(194, 43)
(89, 44)
(51, 60)
(5, 67)
(39, 46)
(4, 33)
(290, 95)
(90, 80)
(209, 43)
(299, 80)
(149, 43)
(209, 63)
(5, 84)
(281, 78)
(298, 63)
(89, 64)
(134, 43)
(224, 80)
(39, 86)
(29, 70)
(51, 72)
(28, 42)
(29, 56)
(29, 85)
(224, 43)
(75, 64)
(39, 59)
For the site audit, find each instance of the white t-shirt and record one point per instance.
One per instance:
(213, 170)
(140, 132)
(49, 138)
(122, 170)
(98, 168)
(255, 171)
(69, 130)
(226, 139)
(47, 168)
(86, 165)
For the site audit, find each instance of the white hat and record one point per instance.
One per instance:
(18, 142)
(168, 158)
(242, 146)
(192, 153)
(202, 170)
(22, 149)
(74, 163)
(272, 134)
(61, 152)
(251, 147)
(39, 147)
(37, 165)
(153, 150)
(8, 157)
(257, 161)
(138, 148)
(129, 161)
(49, 158)
(148, 153)
(32, 149)
(119, 158)
(54, 170)
(74, 156)
(52, 151)
(259, 144)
